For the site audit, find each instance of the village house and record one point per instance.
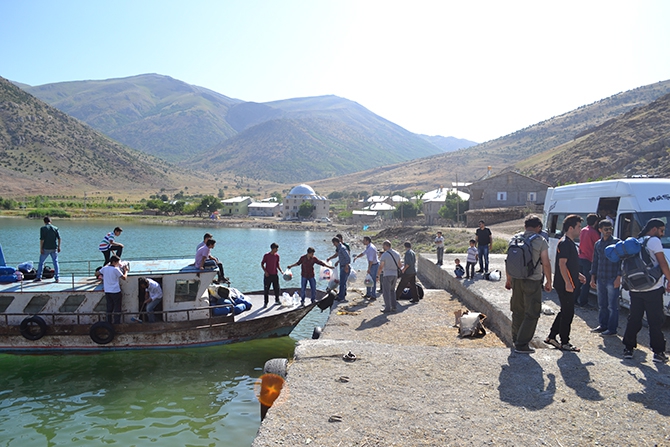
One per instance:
(432, 201)
(237, 206)
(264, 209)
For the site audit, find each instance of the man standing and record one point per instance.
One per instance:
(650, 300)
(49, 246)
(439, 244)
(526, 302)
(408, 278)
(343, 260)
(270, 266)
(108, 245)
(606, 279)
(566, 275)
(484, 245)
(587, 240)
(153, 295)
(373, 266)
(111, 274)
(389, 263)
(306, 263)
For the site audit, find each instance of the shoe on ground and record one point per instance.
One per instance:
(599, 329)
(660, 357)
(276, 301)
(524, 349)
(480, 271)
(56, 280)
(627, 353)
(569, 347)
(37, 280)
(413, 301)
(372, 298)
(608, 333)
(553, 342)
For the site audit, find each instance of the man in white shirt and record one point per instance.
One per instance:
(111, 273)
(153, 295)
(439, 243)
(373, 266)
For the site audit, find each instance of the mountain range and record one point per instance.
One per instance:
(331, 142)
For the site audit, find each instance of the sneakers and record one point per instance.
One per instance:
(553, 342)
(599, 329)
(524, 349)
(608, 333)
(628, 353)
(660, 357)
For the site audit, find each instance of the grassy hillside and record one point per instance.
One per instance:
(637, 143)
(45, 151)
(151, 113)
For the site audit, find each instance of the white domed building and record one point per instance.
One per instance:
(301, 194)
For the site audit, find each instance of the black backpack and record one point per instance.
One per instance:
(519, 263)
(638, 271)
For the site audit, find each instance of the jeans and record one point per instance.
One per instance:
(114, 305)
(271, 280)
(440, 255)
(372, 291)
(608, 305)
(526, 306)
(470, 269)
(650, 302)
(483, 251)
(43, 257)
(583, 290)
(113, 249)
(563, 320)
(344, 276)
(151, 307)
(303, 287)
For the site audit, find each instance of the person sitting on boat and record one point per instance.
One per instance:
(204, 258)
(207, 237)
(111, 274)
(307, 262)
(153, 296)
(270, 265)
(109, 245)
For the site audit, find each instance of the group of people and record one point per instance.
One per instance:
(478, 251)
(577, 270)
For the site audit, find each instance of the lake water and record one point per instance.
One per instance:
(183, 397)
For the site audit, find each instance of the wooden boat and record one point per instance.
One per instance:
(71, 315)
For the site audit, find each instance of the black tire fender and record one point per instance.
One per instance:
(317, 333)
(102, 332)
(33, 328)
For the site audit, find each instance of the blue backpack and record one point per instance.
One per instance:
(637, 266)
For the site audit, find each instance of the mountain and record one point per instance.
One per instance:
(448, 144)
(206, 130)
(537, 144)
(304, 139)
(637, 143)
(43, 151)
(155, 114)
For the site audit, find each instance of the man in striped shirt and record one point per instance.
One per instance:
(108, 245)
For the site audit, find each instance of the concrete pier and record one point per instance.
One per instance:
(414, 383)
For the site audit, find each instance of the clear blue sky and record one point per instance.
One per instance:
(475, 70)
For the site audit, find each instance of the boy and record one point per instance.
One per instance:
(471, 260)
(458, 270)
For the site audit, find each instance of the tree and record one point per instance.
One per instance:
(306, 209)
(208, 205)
(453, 204)
(277, 196)
(406, 210)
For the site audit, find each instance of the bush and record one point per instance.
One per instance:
(499, 246)
(51, 212)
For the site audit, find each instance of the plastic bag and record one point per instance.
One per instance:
(296, 298)
(285, 300)
(288, 275)
(369, 282)
(352, 274)
(325, 273)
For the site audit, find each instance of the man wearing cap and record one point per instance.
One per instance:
(49, 246)
(650, 300)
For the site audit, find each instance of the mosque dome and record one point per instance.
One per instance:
(302, 190)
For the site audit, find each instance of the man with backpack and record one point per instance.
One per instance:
(606, 279)
(649, 299)
(524, 278)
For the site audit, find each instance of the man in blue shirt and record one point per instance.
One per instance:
(606, 279)
(343, 259)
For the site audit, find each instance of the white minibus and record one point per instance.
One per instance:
(629, 202)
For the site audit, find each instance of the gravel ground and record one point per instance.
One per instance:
(415, 383)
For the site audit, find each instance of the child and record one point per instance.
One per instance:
(458, 270)
(471, 260)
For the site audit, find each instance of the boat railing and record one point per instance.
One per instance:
(92, 317)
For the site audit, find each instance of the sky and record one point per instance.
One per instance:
(469, 69)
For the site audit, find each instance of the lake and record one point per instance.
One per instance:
(182, 397)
